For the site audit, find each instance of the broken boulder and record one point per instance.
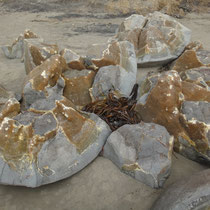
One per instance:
(44, 82)
(36, 52)
(192, 59)
(113, 78)
(38, 149)
(158, 38)
(161, 102)
(142, 151)
(195, 119)
(77, 85)
(16, 50)
(118, 53)
(199, 76)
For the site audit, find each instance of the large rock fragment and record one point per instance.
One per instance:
(16, 50)
(200, 76)
(36, 52)
(142, 151)
(161, 100)
(130, 29)
(113, 78)
(77, 62)
(4, 96)
(77, 85)
(161, 40)
(192, 58)
(158, 38)
(119, 53)
(118, 70)
(10, 109)
(38, 149)
(40, 81)
(163, 96)
(196, 121)
(190, 193)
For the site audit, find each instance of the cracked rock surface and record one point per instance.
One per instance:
(142, 151)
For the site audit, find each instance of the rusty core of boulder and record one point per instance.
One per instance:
(116, 111)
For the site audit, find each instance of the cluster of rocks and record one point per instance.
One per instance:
(45, 136)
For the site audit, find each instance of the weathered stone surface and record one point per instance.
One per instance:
(38, 149)
(10, 109)
(73, 60)
(4, 96)
(16, 50)
(119, 53)
(200, 76)
(190, 193)
(196, 121)
(118, 72)
(161, 100)
(113, 78)
(77, 62)
(77, 85)
(161, 40)
(163, 96)
(36, 52)
(142, 151)
(194, 92)
(39, 82)
(157, 38)
(192, 59)
(130, 29)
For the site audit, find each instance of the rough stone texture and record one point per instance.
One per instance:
(73, 60)
(40, 80)
(38, 149)
(142, 151)
(77, 85)
(192, 59)
(10, 109)
(196, 121)
(16, 50)
(200, 76)
(130, 29)
(190, 193)
(161, 101)
(119, 53)
(36, 52)
(157, 38)
(4, 96)
(113, 78)
(161, 40)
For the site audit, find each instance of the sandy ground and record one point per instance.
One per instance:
(100, 185)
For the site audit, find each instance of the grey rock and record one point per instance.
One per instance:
(69, 55)
(14, 51)
(59, 159)
(191, 193)
(200, 76)
(162, 40)
(199, 110)
(196, 115)
(142, 151)
(157, 38)
(36, 52)
(113, 78)
(43, 100)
